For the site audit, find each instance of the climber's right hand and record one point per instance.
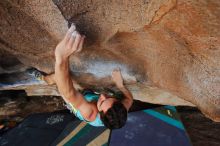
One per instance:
(72, 43)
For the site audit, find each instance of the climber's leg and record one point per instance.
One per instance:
(50, 79)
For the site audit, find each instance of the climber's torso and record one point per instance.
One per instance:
(93, 118)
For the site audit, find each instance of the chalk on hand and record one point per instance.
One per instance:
(74, 34)
(74, 26)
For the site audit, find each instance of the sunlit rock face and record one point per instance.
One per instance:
(171, 45)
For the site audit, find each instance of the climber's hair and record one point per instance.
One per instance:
(115, 117)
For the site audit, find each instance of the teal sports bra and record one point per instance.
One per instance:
(89, 96)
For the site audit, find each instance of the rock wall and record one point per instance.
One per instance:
(173, 45)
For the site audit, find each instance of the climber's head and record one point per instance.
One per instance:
(112, 112)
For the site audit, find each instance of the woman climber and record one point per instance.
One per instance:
(95, 109)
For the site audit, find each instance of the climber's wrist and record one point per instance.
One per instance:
(120, 86)
(61, 59)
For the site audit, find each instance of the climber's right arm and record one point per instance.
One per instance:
(69, 45)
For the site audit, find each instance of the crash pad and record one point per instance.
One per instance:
(154, 127)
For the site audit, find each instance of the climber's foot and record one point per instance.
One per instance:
(36, 74)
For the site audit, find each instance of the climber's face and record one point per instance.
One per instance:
(105, 102)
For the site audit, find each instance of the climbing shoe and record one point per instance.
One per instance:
(35, 73)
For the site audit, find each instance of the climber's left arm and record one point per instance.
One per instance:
(118, 80)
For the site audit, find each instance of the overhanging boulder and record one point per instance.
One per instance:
(172, 45)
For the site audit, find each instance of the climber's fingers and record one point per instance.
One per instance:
(81, 44)
(69, 33)
(76, 42)
(72, 40)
